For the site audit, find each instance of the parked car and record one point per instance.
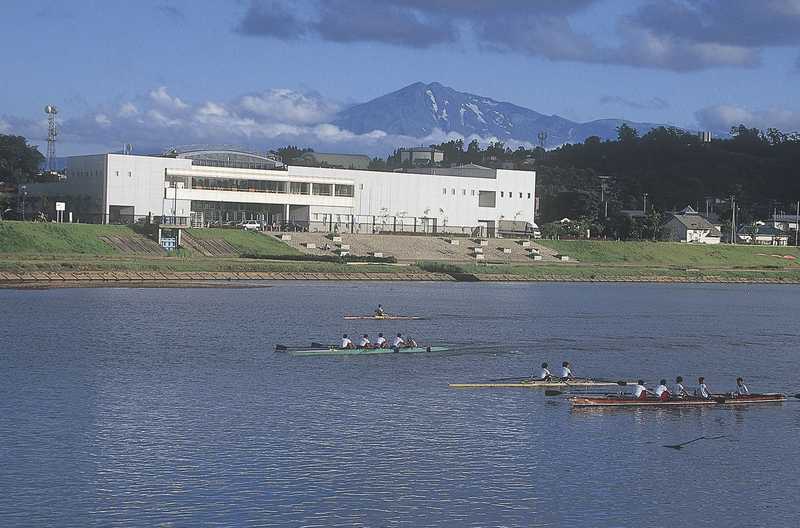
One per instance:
(250, 225)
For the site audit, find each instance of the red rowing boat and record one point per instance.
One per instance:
(615, 400)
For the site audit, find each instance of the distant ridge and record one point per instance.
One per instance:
(418, 109)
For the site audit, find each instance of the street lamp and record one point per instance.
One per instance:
(603, 195)
(644, 207)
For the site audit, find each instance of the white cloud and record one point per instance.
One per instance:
(4, 127)
(287, 105)
(127, 109)
(102, 119)
(722, 117)
(165, 100)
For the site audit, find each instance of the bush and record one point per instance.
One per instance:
(439, 267)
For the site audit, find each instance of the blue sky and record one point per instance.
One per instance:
(267, 73)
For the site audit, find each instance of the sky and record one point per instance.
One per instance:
(266, 73)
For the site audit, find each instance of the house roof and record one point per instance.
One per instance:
(763, 230)
(688, 210)
(693, 221)
(714, 233)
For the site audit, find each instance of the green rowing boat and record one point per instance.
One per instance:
(364, 351)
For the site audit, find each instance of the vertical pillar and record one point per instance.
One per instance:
(286, 214)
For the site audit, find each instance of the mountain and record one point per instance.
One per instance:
(419, 108)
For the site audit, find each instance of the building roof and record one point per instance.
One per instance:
(714, 233)
(346, 161)
(693, 221)
(763, 230)
(470, 170)
(420, 149)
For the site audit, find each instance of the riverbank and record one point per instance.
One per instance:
(50, 255)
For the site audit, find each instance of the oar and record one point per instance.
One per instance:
(553, 392)
(680, 446)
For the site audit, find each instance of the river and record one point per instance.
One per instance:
(168, 407)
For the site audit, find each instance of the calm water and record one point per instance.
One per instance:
(148, 407)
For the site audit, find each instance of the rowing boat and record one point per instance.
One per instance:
(615, 400)
(364, 351)
(538, 384)
(384, 317)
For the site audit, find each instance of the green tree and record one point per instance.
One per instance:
(627, 134)
(19, 161)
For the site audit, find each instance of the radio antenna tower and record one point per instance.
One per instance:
(51, 112)
(542, 138)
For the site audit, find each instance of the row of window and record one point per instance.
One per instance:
(464, 193)
(269, 186)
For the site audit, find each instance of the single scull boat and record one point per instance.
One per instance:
(384, 317)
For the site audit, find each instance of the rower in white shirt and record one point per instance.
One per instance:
(566, 372)
(398, 342)
(379, 311)
(640, 391)
(380, 342)
(346, 343)
(741, 388)
(662, 392)
(702, 389)
(678, 390)
(544, 374)
(364, 342)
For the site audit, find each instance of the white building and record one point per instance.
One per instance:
(212, 187)
(689, 226)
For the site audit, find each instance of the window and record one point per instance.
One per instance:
(444, 190)
(486, 198)
(361, 187)
(463, 192)
(520, 195)
(130, 174)
(116, 173)
(453, 191)
(529, 196)
(299, 188)
(501, 194)
(510, 194)
(473, 192)
(322, 189)
(343, 191)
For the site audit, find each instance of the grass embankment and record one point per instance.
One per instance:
(674, 254)
(246, 241)
(27, 246)
(56, 239)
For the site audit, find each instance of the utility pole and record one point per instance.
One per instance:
(644, 207)
(733, 219)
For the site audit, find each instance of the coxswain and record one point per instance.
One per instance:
(398, 342)
(364, 342)
(741, 388)
(662, 392)
(544, 374)
(346, 343)
(640, 391)
(566, 372)
(678, 390)
(380, 342)
(702, 390)
(379, 311)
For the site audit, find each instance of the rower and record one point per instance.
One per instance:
(679, 391)
(662, 392)
(544, 374)
(364, 342)
(346, 343)
(380, 342)
(379, 311)
(398, 342)
(566, 372)
(411, 343)
(640, 391)
(702, 390)
(741, 388)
